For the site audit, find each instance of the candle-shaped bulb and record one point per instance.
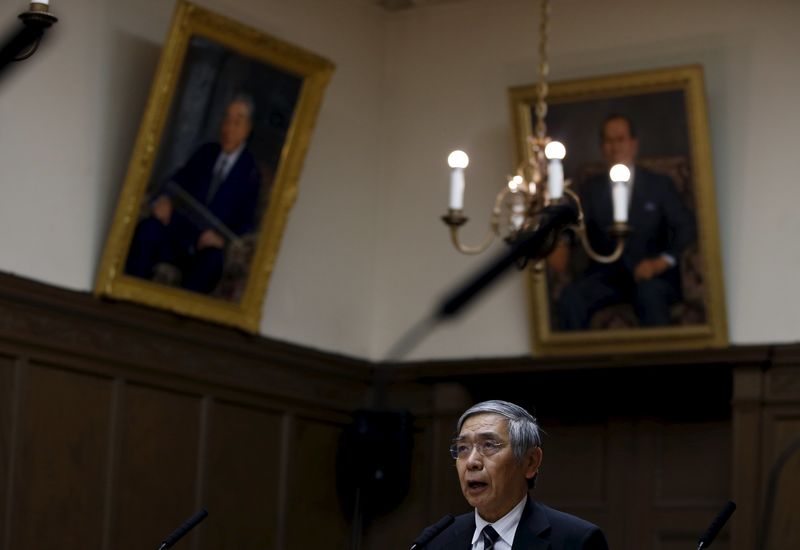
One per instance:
(555, 151)
(515, 183)
(620, 175)
(620, 172)
(458, 160)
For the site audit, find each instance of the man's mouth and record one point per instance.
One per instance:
(477, 485)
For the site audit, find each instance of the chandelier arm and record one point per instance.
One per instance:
(498, 207)
(468, 249)
(574, 196)
(580, 231)
(455, 219)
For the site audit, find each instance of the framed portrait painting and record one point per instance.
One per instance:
(214, 170)
(666, 290)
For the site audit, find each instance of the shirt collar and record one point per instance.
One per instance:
(506, 526)
(230, 158)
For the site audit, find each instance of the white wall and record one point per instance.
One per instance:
(364, 254)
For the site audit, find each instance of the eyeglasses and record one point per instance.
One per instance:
(484, 448)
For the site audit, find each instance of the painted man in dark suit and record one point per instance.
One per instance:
(498, 453)
(209, 201)
(647, 275)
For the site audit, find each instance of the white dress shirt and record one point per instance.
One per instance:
(225, 161)
(506, 527)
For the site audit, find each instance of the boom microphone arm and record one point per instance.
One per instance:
(532, 245)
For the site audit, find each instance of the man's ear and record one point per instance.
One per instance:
(532, 462)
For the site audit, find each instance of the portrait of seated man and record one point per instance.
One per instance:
(648, 275)
(202, 211)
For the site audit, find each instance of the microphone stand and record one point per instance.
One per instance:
(187, 526)
(716, 525)
(356, 528)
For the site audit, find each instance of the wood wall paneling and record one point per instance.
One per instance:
(649, 483)
(117, 423)
(61, 458)
(242, 477)
(313, 517)
(158, 461)
(8, 370)
(746, 457)
(783, 526)
(691, 482)
(392, 530)
(693, 468)
(575, 466)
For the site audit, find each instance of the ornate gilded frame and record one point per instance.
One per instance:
(687, 80)
(314, 72)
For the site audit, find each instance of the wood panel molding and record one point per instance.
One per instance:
(65, 327)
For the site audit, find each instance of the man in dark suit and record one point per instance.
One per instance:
(498, 453)
(647, 275)
(209, 201)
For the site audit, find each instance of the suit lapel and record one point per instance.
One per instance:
(638, 198)
(459, 535)
(533, 531)
(605, 208)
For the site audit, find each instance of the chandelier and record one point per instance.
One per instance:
(538, 186)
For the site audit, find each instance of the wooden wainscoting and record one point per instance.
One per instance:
(117, 423)
(766, 433)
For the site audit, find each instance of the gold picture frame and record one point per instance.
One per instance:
(667, 103)
(207, 63)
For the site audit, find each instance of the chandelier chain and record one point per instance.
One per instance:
(544, 70)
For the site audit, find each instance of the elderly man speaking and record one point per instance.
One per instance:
(498, 454)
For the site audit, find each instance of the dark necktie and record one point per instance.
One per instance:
(216, 178)
(490, 536)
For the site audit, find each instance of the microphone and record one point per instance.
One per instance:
(431, 532)
(178, 533)
(716, 525)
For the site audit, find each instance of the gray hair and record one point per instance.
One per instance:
(248, 102)
(523, 430)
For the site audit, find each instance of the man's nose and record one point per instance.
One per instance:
(474, 459)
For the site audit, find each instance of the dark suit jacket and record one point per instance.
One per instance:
(659, 221)
(540, 528)
(235, 201)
